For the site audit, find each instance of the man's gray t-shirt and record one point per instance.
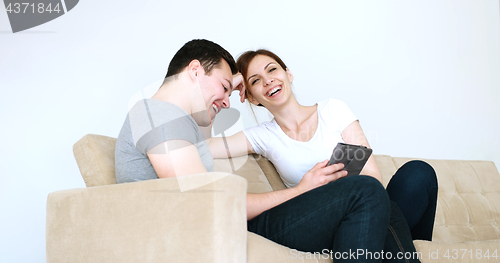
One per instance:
(149, 123)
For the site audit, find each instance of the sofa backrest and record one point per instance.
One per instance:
(468, 206)
(95, 156)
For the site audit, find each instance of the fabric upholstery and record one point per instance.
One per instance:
(468, 206)
(270, 171)
(386, 167)
(95, 156)
(106, 222)
(248, 168)
(149, 221)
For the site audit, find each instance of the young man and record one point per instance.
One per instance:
(161, 136)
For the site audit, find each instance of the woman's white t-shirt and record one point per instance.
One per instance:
(293, 158)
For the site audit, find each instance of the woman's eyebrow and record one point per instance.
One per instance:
(251, 77)
(264, 68)
(268, 65)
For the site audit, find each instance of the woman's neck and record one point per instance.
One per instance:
(292, 115)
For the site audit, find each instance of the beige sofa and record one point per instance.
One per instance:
(201, 218)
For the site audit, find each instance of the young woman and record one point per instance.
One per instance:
(300, 137)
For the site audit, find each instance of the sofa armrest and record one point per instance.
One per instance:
(150, 221)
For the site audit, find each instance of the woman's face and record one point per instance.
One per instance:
(268, 83)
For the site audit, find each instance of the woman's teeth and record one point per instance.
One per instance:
(273, 91)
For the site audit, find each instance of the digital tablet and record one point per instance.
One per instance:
(354, 157)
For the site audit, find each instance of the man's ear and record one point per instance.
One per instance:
(290, 76)
(194, 69)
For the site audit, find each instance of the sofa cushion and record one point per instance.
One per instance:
(468, 206)
(95, 156)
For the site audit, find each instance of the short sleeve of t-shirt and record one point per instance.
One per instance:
(260, 135)
(337, 115)
(149, 123)
(153, 122)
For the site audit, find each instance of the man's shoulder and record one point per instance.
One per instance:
(149, 114)
(152, 110)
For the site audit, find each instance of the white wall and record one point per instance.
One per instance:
(422, 76)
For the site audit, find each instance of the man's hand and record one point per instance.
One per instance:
(320, 175)
(239, 84)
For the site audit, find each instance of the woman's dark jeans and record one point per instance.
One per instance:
(414, 188)
(348, 217)
(353, 216)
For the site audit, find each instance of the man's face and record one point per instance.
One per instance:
(216, 88)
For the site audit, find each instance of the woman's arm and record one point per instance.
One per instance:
(353, 134)
(234, 146)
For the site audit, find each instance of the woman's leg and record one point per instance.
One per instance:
(349, 215)
(398, 240)
(414, 188)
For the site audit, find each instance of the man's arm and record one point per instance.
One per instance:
(186, 160)
(238, 145)
(182, 160)
(258, 203)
